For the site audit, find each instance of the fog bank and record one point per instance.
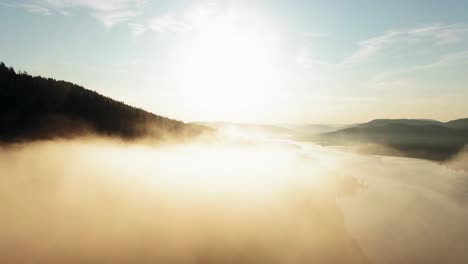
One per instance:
(98, 201)
(263, 201)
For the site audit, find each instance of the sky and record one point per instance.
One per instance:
(255, 61)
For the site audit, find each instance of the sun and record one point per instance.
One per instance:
(226, 66)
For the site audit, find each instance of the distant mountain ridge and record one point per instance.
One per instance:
(34, 108)
(429, 139)
(403, 121)
(461, 123)
(458, 123)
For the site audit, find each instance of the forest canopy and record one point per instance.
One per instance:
(34, 107)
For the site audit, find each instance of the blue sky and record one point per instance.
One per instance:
(251, 61)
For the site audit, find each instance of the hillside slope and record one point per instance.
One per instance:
(459, 123)
(44, 108)
(413, 138)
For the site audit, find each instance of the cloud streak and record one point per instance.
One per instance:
(439, 34)
(106, 11)
(168, 23)
(197, 17)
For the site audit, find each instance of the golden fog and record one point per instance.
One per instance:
(264, 201)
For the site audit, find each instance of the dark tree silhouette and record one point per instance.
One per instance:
(43, 108)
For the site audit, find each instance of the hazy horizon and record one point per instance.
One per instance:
(251, 61)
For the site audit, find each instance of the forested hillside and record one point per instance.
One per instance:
(428, 139)
(44, 108)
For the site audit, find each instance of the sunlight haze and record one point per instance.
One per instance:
(233, 131)
(251, 61)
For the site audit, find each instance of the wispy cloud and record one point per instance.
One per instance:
(438, 34)
(372, 46)
(197, 16)
(441, 34)
(110, 18)
(37, 9)
(405, 40)
(168, 23)
(397, 61)
(177, 21)
(109, 12)
(445, 60)
(137, 28)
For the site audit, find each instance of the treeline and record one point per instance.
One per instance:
(43, 108)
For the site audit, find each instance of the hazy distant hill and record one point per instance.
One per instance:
(459, 123)
(413, 122)
(310, 132)
(302, 132)
(43, 108)
(429, 139)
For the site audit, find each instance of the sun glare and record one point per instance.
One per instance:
(227, 64)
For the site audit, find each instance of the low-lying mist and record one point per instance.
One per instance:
(460, 161)
(263, 201)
